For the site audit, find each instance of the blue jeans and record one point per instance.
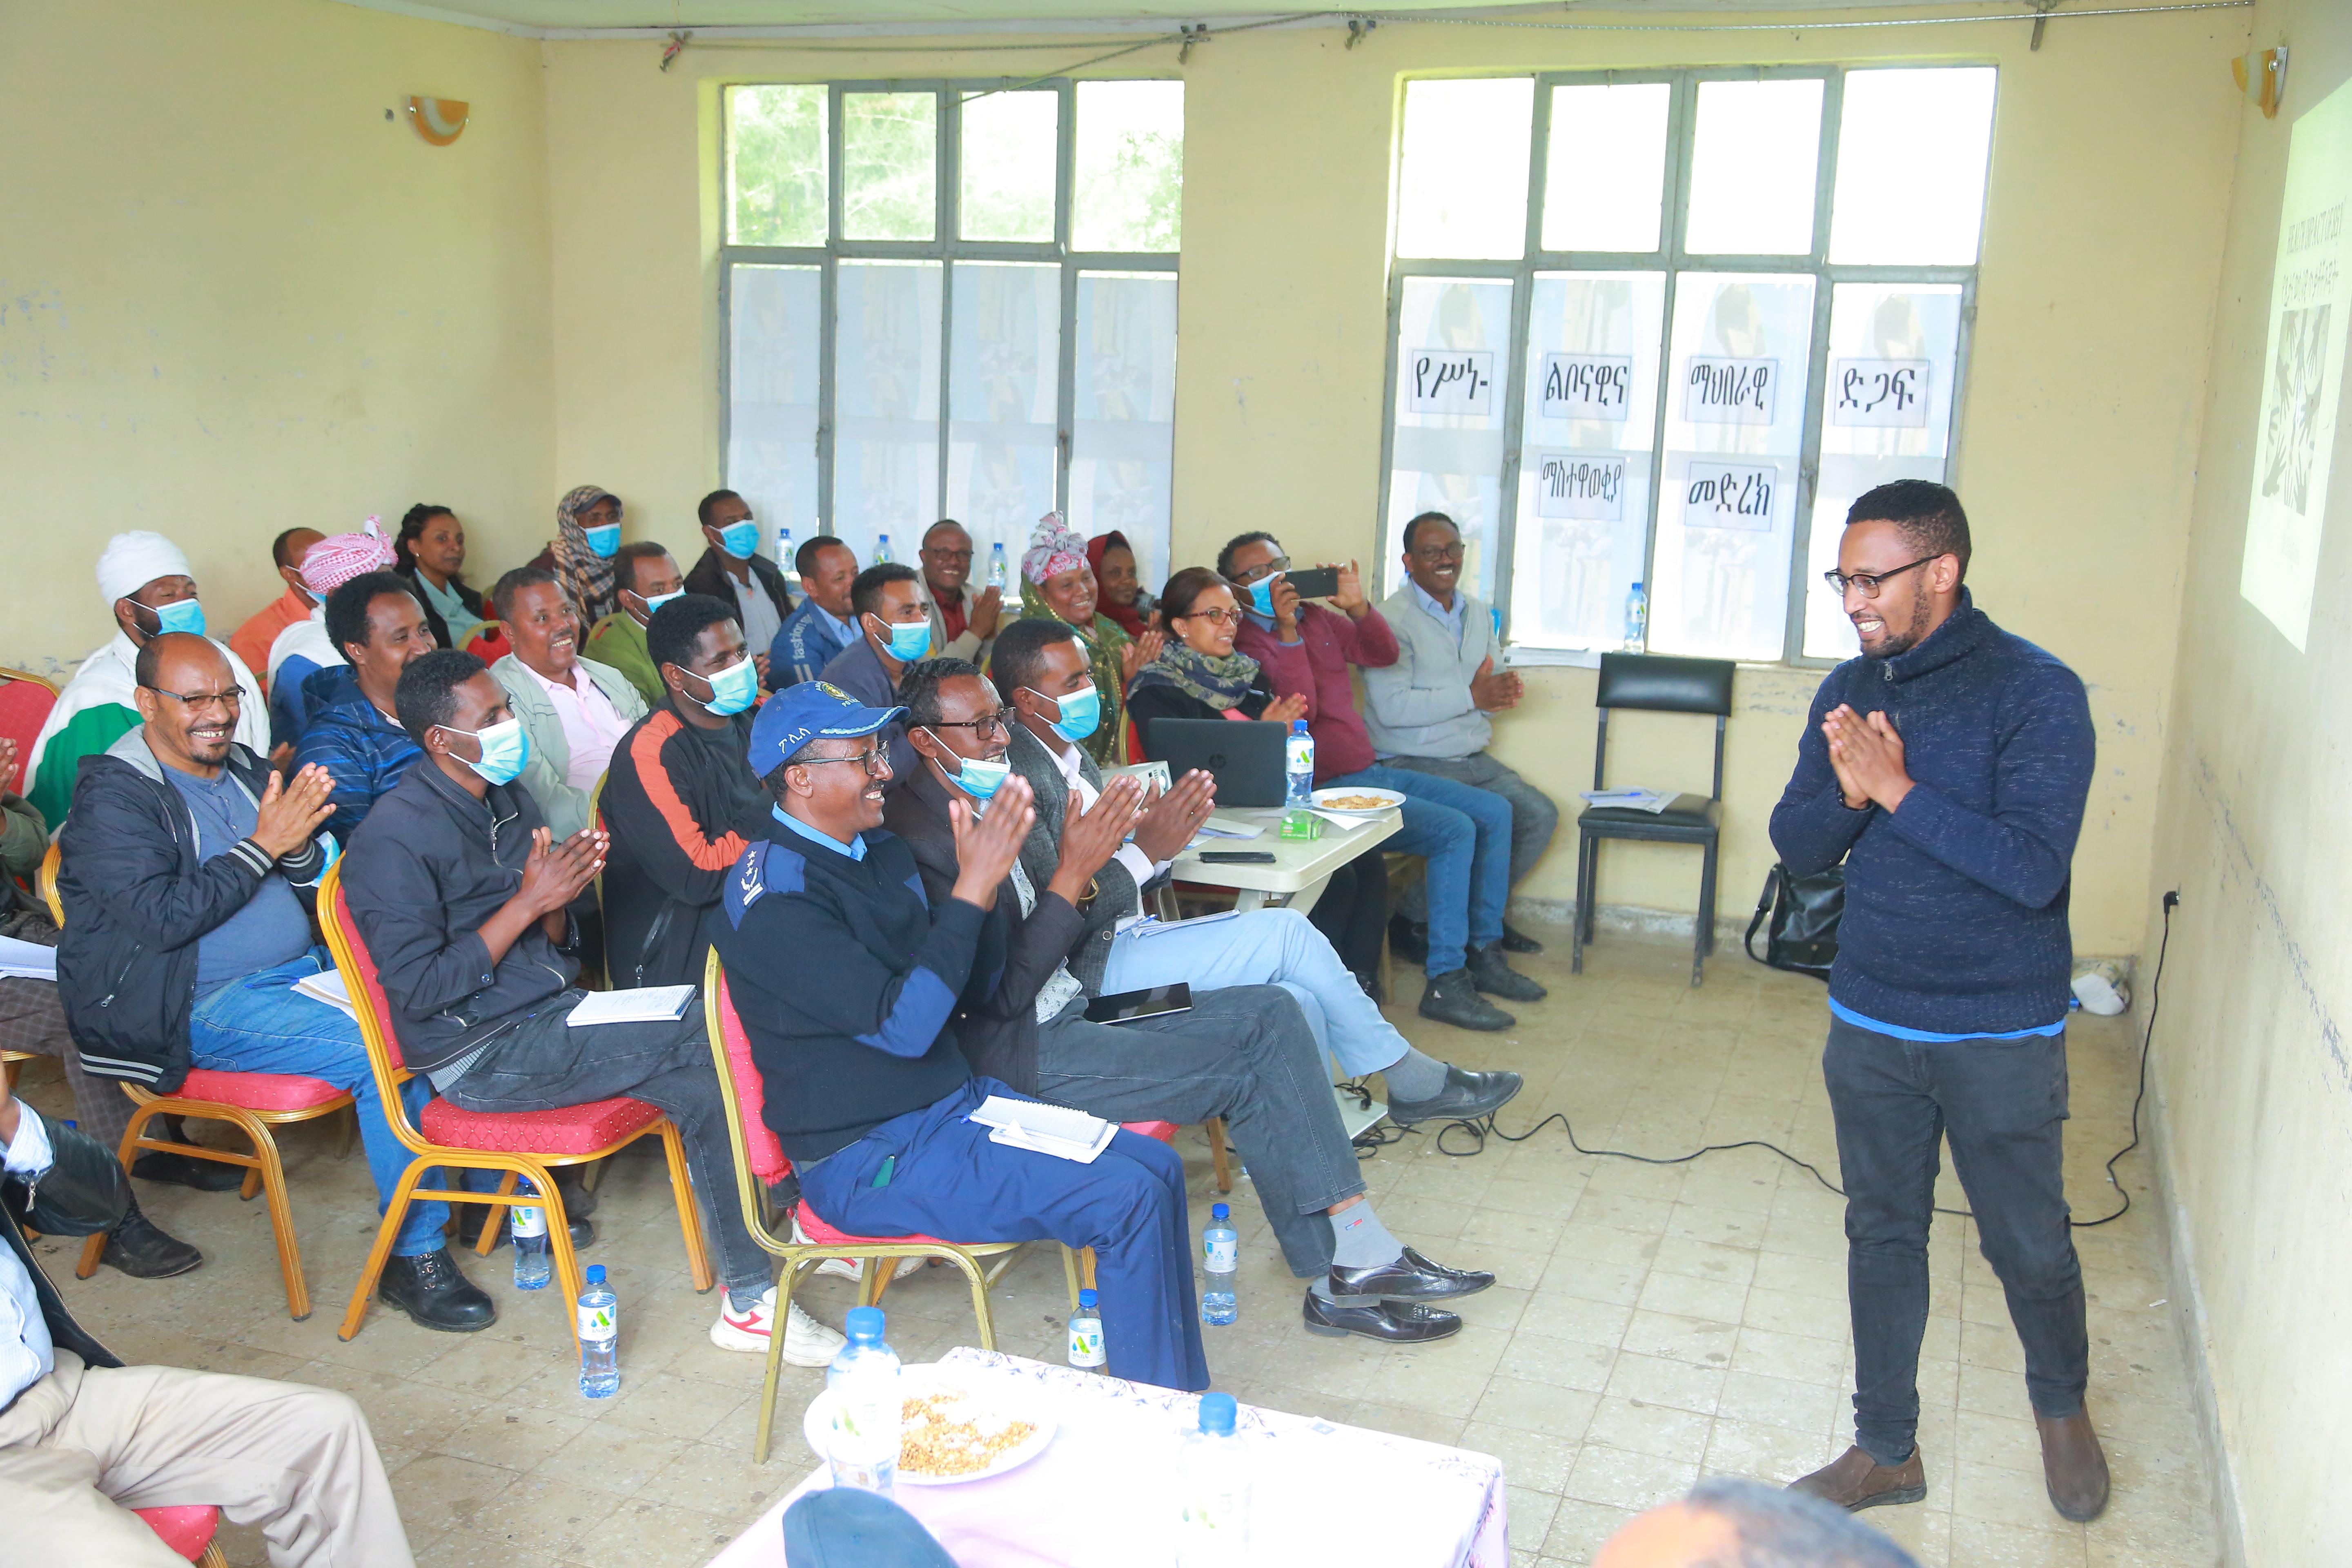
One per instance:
(1265, 947)
(1464, 834)
(261, 1024)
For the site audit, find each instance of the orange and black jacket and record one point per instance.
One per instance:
(681, 802)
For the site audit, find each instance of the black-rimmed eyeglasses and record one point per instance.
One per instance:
(1869, 581)
(981, 728)
(876, 762)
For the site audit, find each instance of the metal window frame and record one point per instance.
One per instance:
(1672, 259)
(945, 246)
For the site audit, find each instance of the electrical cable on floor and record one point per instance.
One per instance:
(1373, 1138)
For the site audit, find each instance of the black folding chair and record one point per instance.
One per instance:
(1658, 684)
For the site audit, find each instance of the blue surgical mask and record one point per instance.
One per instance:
(179, 615)
(1262, 595)
(980, 780)
(506, 750)
(604, 540)
(733, 689)
(740, 539)
(1081, 712)
(656, 600)
(910, 640)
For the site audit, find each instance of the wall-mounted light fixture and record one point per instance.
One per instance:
(2262, 77)
(439, 121)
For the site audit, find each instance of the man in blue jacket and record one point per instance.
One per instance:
(378, 625)
(1948, 767)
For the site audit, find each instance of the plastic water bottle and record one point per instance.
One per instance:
(533, 1266)
(998, 574)
(1086, 1335)
(1212, 1481)
(862, 1443)
(882, 549)
(1637, 619)
(600, 1337)
(1299, 764)
(1221, 1255)
(784, 552)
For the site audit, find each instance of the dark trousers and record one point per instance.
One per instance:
(950, 1181)
(1353, 913)
(2002, 1103)
(542, 1064)
(1244, 1053)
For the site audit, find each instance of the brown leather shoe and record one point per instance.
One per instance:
(1854, 1480)
(2073, 1465)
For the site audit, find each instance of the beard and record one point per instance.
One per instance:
(1912, 634)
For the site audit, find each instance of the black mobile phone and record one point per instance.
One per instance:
(1237, 857)
(1128, 1006)
(1316, 582)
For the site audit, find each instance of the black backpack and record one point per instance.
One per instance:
(1804, 912)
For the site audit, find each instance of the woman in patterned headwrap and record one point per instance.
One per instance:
(1059, 585)
(587, 531)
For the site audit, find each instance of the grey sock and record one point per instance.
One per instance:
(1359, 1239)
(1414, 1077)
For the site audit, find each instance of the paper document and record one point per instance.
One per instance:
(1647, 800)
(1152, 925)
(1046, 1129)
(1218, 827)
(26, 960)
(1346, 821)
(327, 986)
(638, 1005)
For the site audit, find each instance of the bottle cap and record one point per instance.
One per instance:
(1086, 1300)
(1217, 1413)
(1637, 587)
(596, 1274)
(1299, 726)
(1219, 1211)
(863, 1324)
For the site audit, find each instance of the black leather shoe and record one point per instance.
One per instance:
(1371, 987)
(1397, 1322)
(1409, 940)
(1412, 1277)
(1453, 999)
(180, 1171)
(1467, 1096)
(140, 1249)
(1516, 940)
(471, 1218)
(1489, 972)
(430, 1291)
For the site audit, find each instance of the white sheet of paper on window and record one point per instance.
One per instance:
(1581, 486)
(1586, 386)
(2311, 305)
(1450, 381)
(1886, 392)
(1729, 391)
(1730, 495)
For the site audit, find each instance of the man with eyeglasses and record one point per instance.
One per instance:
(1947, 768)
(964, 624)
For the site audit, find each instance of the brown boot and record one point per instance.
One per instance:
(1854, 1480)
(2072, 1466)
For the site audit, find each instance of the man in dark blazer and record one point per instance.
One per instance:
(732, 570)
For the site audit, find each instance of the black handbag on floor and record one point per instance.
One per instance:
(1804, 912)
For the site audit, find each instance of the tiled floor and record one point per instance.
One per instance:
(1652, 1323)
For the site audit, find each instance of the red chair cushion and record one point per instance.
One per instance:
(814, 1226)
(767, 1155)
(574, 1130)
(1163, 1131)
(261, 1090)
(24, 708)
(186, 1530)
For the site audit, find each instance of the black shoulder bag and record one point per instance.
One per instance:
(1804, 912)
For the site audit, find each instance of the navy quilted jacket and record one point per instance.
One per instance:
(366, 753)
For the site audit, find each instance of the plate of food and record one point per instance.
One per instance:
(1361, 799)
(951, 1433)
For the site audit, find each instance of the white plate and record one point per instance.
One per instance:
(1390, 799)
(921, 1380)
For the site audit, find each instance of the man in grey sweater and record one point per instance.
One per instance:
(1428, 711)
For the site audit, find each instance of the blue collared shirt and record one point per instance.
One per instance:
(1929, 1036)
(855, 849)
(27, 1356)
(1452, 619)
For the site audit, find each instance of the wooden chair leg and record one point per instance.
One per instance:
(347, 1131)
(1070, 1274)
(689, 1214)
(386, 1229)
(495, 1223)
(272, 1171)
(1215, 1127)
(592, 1173)
(1086, 1267)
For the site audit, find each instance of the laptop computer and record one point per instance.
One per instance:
(1245, 757)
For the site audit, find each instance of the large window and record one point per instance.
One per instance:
(1663, 329)
(943, 300)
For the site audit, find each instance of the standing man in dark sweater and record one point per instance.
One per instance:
(1947, 768)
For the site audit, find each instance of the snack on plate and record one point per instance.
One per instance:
(948, 1432)
(1358, 803)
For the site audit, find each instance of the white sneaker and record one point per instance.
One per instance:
(854, 1268)
(807, 1342)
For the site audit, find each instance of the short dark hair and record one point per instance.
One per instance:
(944, 522)
(702, 507)
(1185, 589)
(919, 683)
(278, 545)
(503, 591)
(1020, 652)
(146, 670)
(1233, 545)
(1926, 513)
(349, 606)
(626, 559)
(866, 592)
(804, 558)
(1774, 1529)
(425, 698)
(1414, 526)
(676, 628)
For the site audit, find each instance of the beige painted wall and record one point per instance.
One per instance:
(2110, 179)
(2251, 1062)
(234, 298)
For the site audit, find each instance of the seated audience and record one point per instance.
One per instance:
(1040, 674)
(1727, 1522)
(305, 647)
(894, 631)
(573, 710)
(250, 642)
(1427, 712)
(1244, 1052)
(1460, 831)
(822, 627)
(148, 589)
(431, 550)
(680, 801)
(85, 1440)
(1118, 588)
(963, 623)
(1061, 591)
(183, 938)
(377, 623)
(33, 1019)
(460, 891)
(846, 978)
(645, 578)
(587, 533)
(732, 570)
